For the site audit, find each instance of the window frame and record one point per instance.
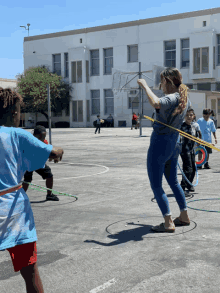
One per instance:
(182, 52)
(91, 63)
(128, 53)
(200, 56)
(169, 51)
(66, 65)
(218, 50)
(53, 58)
(108, 97)
(91, 97)
(104, 58)
(76, 62)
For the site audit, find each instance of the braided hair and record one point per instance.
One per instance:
(173, 79)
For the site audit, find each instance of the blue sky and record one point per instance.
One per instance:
(62, 15)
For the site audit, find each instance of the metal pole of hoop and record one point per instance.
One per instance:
(140, 101)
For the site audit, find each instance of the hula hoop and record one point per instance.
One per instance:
(204, 155)
(201, 210)
(197, 176)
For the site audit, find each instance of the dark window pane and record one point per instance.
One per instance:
(108, 52)
(218, 39)
(173, 63)
(95, 66)
(168, 55)
(74, 111)
(185, 43)
(218, 87)
(196, 60)
(173, 55)
(108, 65)
(185, 55)
(57, 58)
(205, 60)
(185, 63)
(170, 45)
(73, 72)
(133, 53)
(109, 106)
(80, 111)
(204, 86)
(79, 71)
(95, 53)
(190, 85)
(95, 106)
(108, 93)
(168, 63)
(87, 71)
(95, 94)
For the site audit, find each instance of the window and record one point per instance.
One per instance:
(67, 110)
(77, 111)
(213, 57)
(170, 54)
(201, 60)
(185, 53)
(108, 60)
(77, 72)
(109, 101)
(204, 86)
(204, 23)
(81, 40)
(133, 102)
(218, 50)
(190, 85)
(66, 65)
(133, 53)
(87, 71)
(94, 54)
(218, 86)
(57, 64)
(95, 97)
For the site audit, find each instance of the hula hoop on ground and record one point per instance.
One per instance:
(204, 155)
(202, 210)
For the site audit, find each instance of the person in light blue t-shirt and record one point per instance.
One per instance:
(19, 151)
(207, 127)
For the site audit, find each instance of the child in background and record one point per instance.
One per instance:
(98, 124)
(207, 126)
(45, 173)
(188, 154)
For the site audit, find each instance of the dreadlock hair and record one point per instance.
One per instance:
(8, 100)
(173, 79)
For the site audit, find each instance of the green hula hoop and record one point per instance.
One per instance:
(41, 188)
(210, 211)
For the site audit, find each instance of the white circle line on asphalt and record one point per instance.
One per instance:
(104, 286)
(107, 169)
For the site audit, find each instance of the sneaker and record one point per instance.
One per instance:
(206, 166)
(192, 189)
(52, 197)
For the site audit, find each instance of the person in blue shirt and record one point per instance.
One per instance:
(19, 151)
(207, 127)
(164, 148)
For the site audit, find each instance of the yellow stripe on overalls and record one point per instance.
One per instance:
(189, 136)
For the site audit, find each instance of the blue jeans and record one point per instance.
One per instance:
(162, 159)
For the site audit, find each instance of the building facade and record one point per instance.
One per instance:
(87, 58)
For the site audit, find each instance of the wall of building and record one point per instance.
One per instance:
(150, 39)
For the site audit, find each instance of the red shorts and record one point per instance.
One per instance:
(23, 255)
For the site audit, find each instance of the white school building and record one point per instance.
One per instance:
(87, 58)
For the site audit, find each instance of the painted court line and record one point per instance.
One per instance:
(104, 286)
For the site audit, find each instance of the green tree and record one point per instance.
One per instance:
(32, 85)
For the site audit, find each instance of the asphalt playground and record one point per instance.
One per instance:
(102, 241)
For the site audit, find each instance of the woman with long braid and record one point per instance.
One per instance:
(19, 151)
(164, 149)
